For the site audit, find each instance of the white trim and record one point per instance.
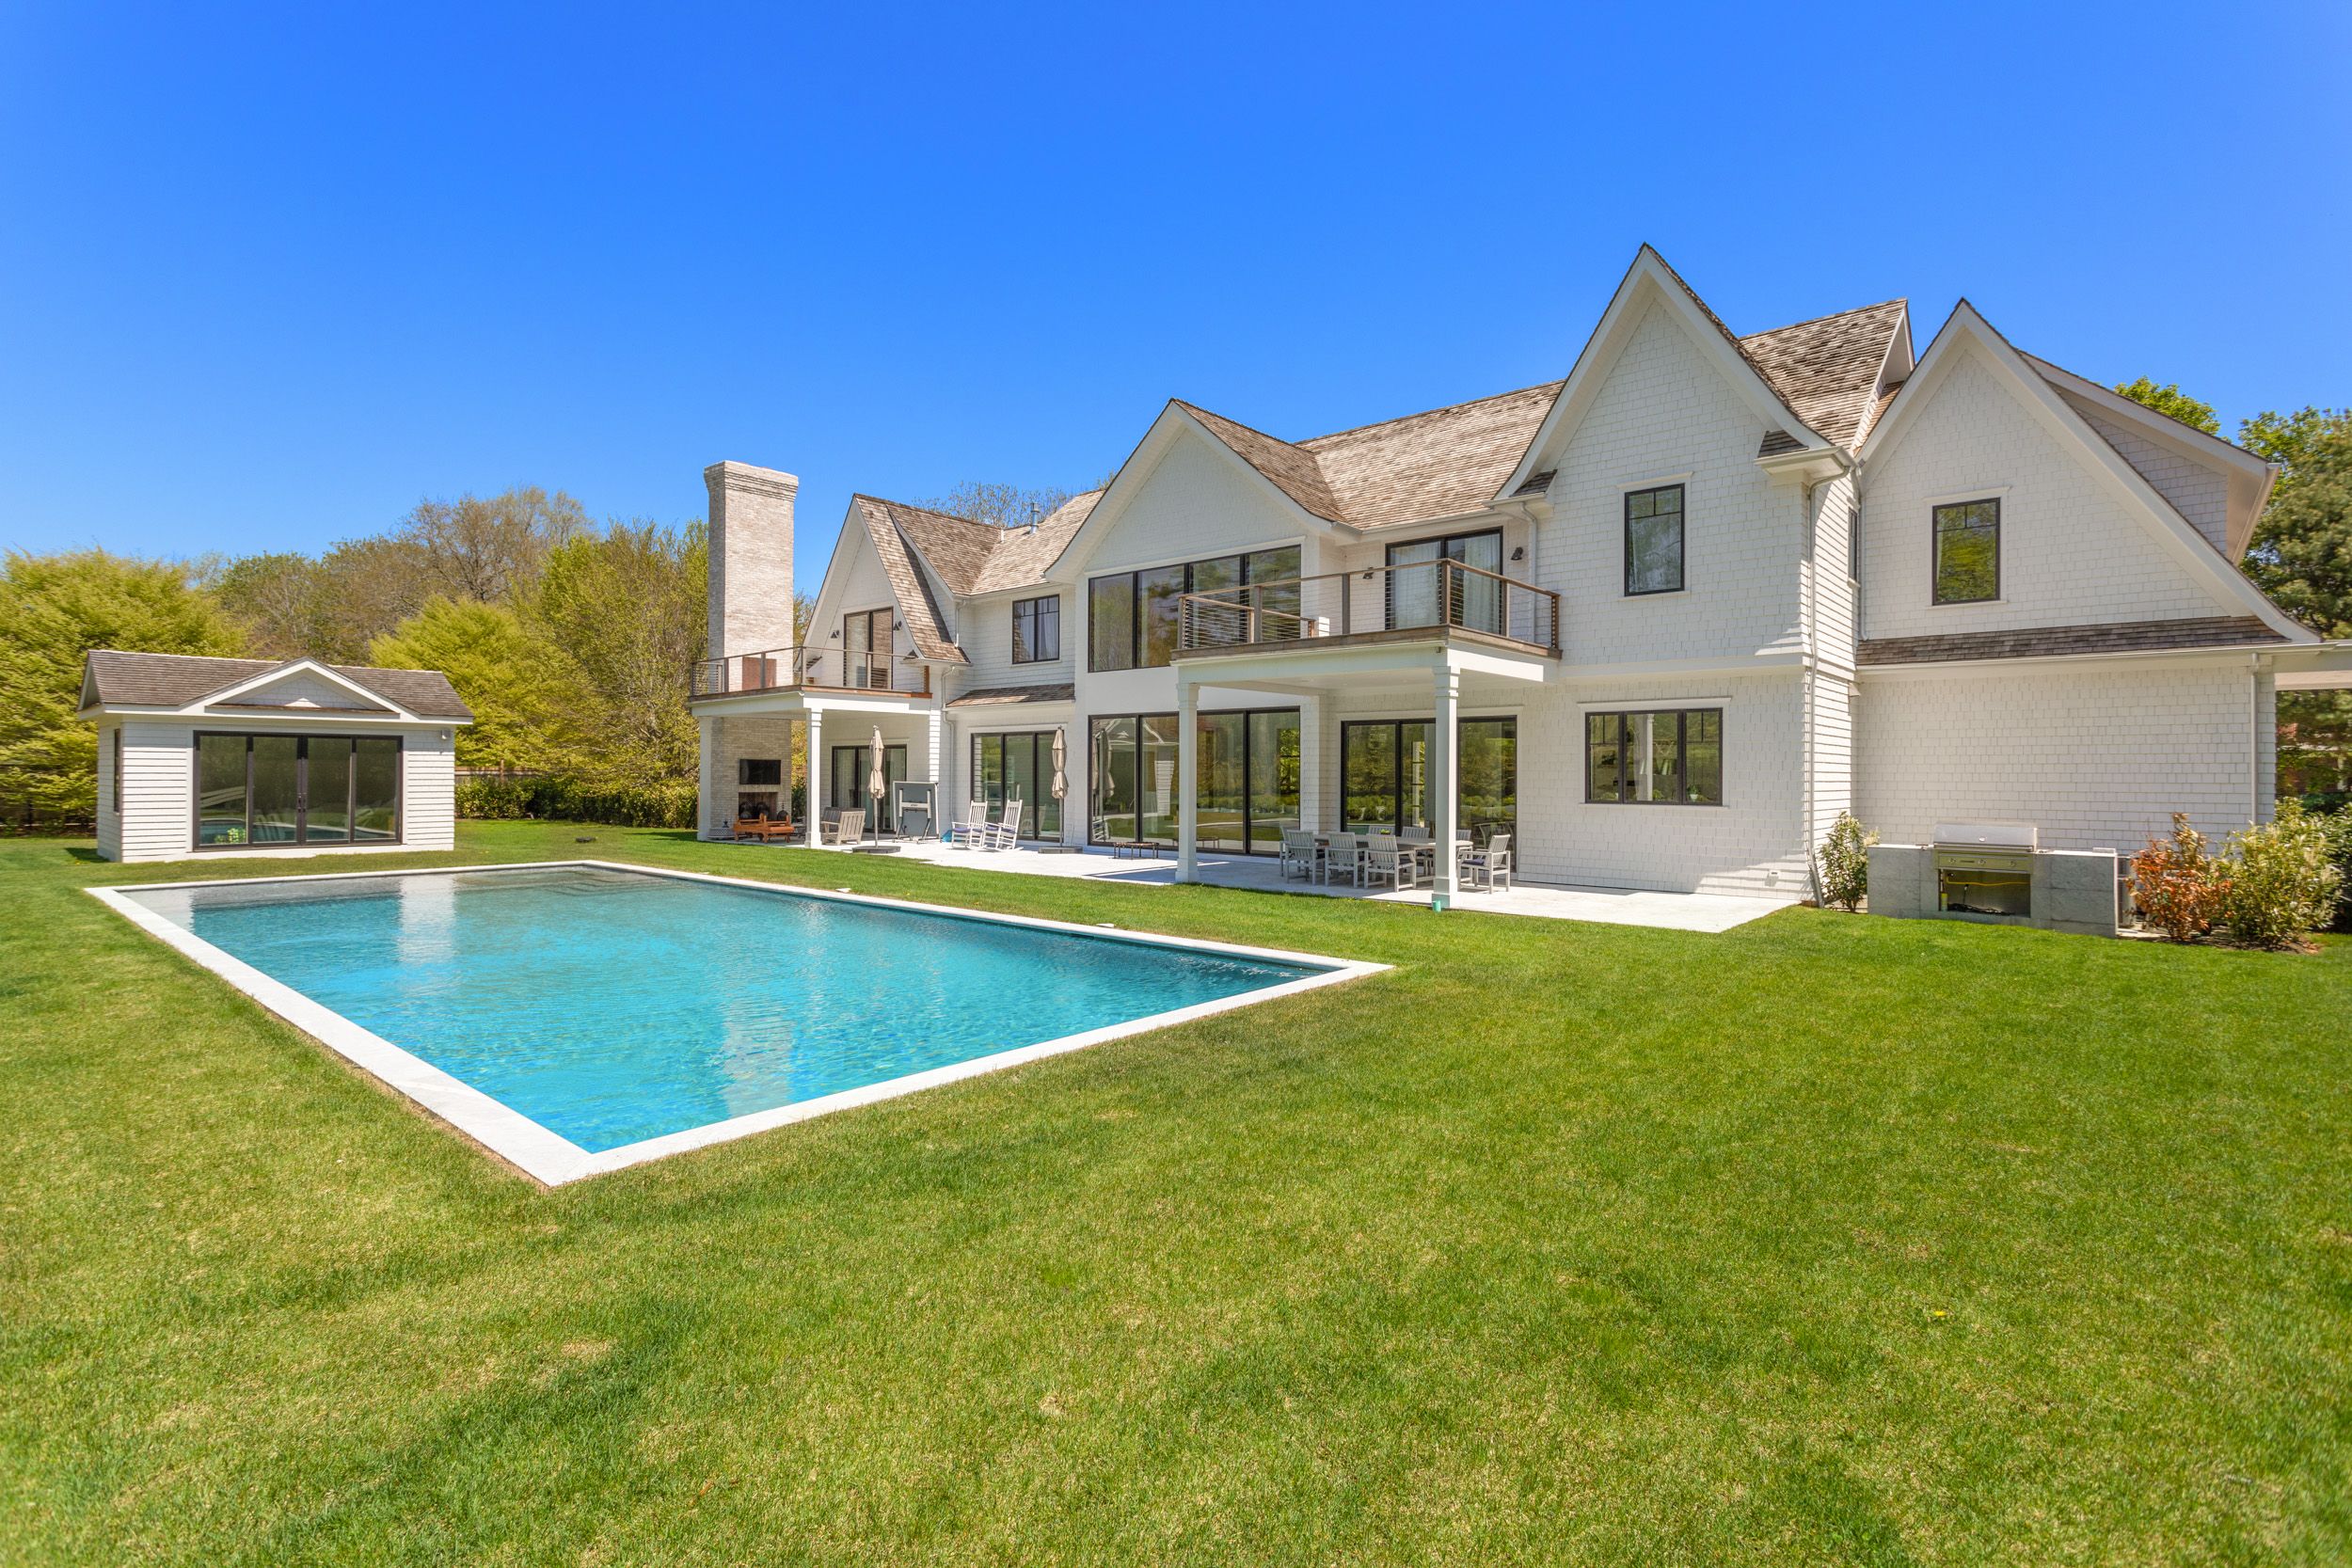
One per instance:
(552, 1159)
(1645, 705)
(1961, 497)
(298, 667)
(1660, 483)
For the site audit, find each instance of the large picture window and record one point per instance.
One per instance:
(1664, 757)
(1384, 774)
(1248, 771)
(1653, 540)
(1037, 629)
(1018, 766)
(257, 790)
(1968, 552)
(1132, 618)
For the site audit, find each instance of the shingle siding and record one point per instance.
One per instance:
(2200, 491)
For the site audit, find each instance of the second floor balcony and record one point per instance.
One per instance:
(1404, 602)
(805, 669)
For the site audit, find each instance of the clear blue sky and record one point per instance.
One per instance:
(267, 279)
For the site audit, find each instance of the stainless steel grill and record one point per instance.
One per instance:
(1984, 868)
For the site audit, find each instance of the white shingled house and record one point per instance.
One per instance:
(249, 757)
(1661, 621)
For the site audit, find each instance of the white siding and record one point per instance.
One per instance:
(2071, 552)
(1664, 414)
(1196, 501)
(984, 631)
(109, 820)
(305, 690)
(159, 785)
(857, 583)
(2096, 760)
(2200, 490)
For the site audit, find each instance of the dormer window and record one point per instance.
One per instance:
(1967, 551)
(1653, 540)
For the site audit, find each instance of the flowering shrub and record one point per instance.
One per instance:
(1845, 863)
(2284, 882)
(2177, 886)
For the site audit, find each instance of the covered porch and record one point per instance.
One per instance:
(1314, 672)
(810, 754)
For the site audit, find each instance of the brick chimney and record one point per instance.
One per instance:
(751, 558)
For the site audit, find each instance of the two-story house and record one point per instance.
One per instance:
(1662, 620)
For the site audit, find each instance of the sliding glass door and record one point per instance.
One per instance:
(1018, 766)
(1246, 768)
(1421, 594)
(1384, 774)
(253, 791)
(852, 772)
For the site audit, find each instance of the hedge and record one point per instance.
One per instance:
(560, 800)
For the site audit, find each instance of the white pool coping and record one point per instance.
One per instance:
(550, 1158)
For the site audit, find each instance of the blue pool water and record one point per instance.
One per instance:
(610, 1007)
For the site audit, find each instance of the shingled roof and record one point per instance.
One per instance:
(1827, 369)
(969, 557)
(114, 677)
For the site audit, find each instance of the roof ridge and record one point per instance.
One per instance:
(929, 512)
(1424, 413)
(274, 663)
(1815, 321)
(1197, 408)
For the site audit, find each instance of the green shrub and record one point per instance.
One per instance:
(1844, 867)
(2284, 882)
(2340, 840)
(2176, 885)
(562, 799)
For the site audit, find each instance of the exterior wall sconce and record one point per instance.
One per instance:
(1520, 554)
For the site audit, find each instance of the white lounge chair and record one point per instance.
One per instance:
(1007, 833)
(1387, 860)
(1489, 867)
(846, 827)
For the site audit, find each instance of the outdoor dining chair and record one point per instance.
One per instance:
(1298, 853)
(1387, 860)
(1489, 867)
(1344, 856)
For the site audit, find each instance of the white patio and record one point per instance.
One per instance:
(1670, 911)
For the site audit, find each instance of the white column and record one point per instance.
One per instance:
(936, 738)
(1311, 764)
(1187, 782)
(715, 814)
(813, 727)
(1445, 811)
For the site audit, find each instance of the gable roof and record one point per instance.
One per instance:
(1024, 557)
(950, 546)
(112, 677)
(1827, 369)
(2042, 398)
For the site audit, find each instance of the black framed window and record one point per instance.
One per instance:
(1037, 629)
(117, 733)
(1967, 551)
(255, 790)
(1658, 757)
(1018, 766)
(866, 648)
(1384, 774)
(1132, 618)
(1247, 767)
(1653, 540)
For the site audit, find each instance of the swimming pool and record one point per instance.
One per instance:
(581, 1016)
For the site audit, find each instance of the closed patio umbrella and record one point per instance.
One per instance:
(876, 786)
(1061, 756)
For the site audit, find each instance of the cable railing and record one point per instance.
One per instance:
(1437, 595)
(781, 669)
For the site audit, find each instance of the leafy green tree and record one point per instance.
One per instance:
(2301, 555)
(526, 694)
(54, 609)
(2169, 400)
(491, 550)
(628, 606)
(286, 605)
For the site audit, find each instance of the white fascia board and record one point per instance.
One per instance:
(2234, 657)
(850, 538)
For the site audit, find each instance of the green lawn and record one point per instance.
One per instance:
(1559, 1243)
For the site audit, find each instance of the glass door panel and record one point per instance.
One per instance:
(220, 779)
(1156, 772)
(1221, 778)
(276, 788)
(375, 789)
(1273, 778)
(1413, 584)
(1112, 780)
(327, 791)
(1480, 601)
